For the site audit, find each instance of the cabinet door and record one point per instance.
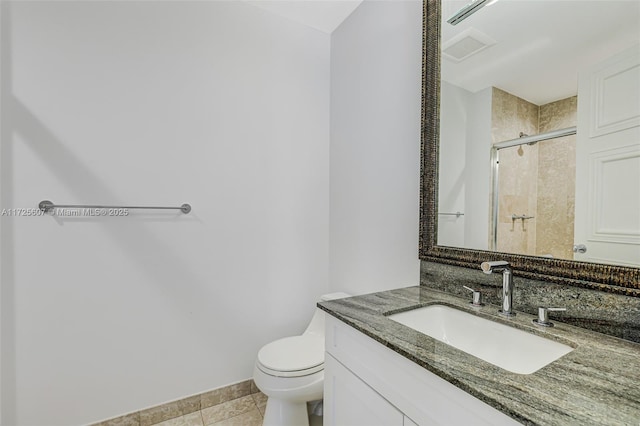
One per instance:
(349, 401)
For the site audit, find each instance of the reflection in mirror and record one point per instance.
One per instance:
(535, 175)
(506, 78)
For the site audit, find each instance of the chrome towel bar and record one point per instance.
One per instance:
(47, 206)
(456, 214)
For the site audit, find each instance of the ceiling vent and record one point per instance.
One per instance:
(467, 43)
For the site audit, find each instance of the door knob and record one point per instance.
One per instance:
(579, 248)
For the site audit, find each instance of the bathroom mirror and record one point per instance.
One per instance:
(463, 45)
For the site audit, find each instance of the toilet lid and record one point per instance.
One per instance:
(293, 353)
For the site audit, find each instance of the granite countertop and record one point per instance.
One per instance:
(598, 383)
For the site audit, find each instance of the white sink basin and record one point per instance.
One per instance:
(503, 346)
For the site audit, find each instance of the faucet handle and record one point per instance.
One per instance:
(543, 316)
(477, 296)
(498, 266)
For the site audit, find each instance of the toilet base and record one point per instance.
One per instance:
(288, 397)
(285, 413)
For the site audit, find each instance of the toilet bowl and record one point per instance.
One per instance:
(290, 371)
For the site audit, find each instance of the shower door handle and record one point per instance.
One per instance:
(579, 248)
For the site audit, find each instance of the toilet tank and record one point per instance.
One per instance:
(316, 326)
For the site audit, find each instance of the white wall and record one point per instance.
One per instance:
(478, 171)
(375, 147)
(2, 328)
(218, 104)
(452, 182)
(465, 171)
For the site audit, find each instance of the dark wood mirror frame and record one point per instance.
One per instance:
(610, 278)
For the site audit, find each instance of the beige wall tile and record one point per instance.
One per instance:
(527, 118)
(126, 420)
(559, 115)
(504, 112)
(219, 396)
(517, 186)
(511, 115)
(229, 409)
(556, 182)
(169, 411)
(214, 397)
(536, 180)
(176, 409)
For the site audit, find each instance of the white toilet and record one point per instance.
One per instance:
(290, 371)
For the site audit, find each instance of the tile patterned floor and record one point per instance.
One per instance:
(244, 411)
(240, 404)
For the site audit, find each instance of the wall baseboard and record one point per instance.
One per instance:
(184, 406)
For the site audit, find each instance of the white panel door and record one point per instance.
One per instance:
(607, 216)
(351, 402)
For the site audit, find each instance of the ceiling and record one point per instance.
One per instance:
(540, 44)
(323, 15)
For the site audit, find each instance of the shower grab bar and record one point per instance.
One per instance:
(456, 214)
(46, 206)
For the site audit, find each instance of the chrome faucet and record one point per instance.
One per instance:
(507, 284)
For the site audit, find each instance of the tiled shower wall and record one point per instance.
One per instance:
(556, 181)
(535, 180)
(517, 185)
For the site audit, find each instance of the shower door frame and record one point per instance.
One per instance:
(495, 170)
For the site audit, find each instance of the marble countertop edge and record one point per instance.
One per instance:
(601, 372)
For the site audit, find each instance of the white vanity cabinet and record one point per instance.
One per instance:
(352, 401)
(369, 384)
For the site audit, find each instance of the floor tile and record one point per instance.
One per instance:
(169, 411)
(192, 419)
(260, 399)
(226, 410)
(250, 418)
(219, 396)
